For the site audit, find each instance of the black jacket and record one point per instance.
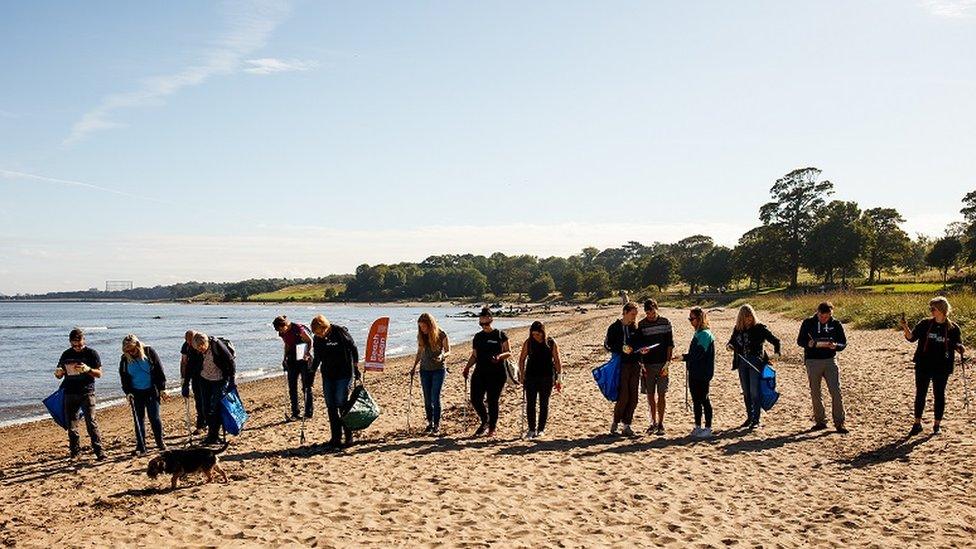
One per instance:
(750, 343)
(155, 372)
(336, 353)
(619, 335)
(812, 329)
(223, 358)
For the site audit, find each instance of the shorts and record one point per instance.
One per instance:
(657, 377)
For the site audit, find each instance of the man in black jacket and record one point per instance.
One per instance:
(217, 369)
(822, 337)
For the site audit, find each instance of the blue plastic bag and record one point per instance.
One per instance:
(55, 406)
(232, 413)
(607, 378)
(767, 388)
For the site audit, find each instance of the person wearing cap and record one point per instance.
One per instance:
(297, 362)
(489, 351)
(822, 337)
(78, 368)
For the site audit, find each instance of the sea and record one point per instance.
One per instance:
(34, 334)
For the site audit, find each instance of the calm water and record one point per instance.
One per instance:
(33, 335)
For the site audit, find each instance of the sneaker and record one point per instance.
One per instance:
(706, 432)
(530, 434)
(75, 455)
(627, 432)
(481, 430)
(540, 434)
(100, 456)
(651, 429)
(754, 425)
(428, 429)
(198, 431)
(435, 431)
(613, 429)
(916, 429)
(660, 429)
(746, 424)
(696, 432)
(138, 453)
(819, 426)
(842, 430)
(491, 433)
(936, 429)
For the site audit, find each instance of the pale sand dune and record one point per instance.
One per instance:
(781, 486)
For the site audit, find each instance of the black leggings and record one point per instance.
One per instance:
(487, 385)
(541, 389)
(939, 379)
(699, 396)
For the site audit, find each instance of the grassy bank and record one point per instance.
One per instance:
(300, 292)
(864, 310)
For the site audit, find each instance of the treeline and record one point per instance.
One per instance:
(227, 291)
(801, 229)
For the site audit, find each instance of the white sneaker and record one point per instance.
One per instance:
(706, 433)
(540, 434)
(530, 434)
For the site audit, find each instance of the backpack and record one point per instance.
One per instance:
(230, 346)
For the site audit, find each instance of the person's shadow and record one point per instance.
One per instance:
(898, 450)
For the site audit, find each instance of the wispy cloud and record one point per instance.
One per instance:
(952, 9)
(271, 65)
(29, 177)
(249, 24)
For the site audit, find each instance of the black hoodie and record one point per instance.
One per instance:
(813, 329)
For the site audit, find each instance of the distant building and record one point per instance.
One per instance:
(117, 285)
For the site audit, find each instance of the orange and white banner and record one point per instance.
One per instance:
(376, 344)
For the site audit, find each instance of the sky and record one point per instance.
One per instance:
(176, 141)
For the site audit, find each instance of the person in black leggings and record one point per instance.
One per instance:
(539, 376)
(939, 339)
(700, 361)
(489, 351)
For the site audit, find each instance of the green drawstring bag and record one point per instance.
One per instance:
(361, 411)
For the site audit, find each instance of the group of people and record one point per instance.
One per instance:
(645, 349)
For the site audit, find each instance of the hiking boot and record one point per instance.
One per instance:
(916, 429)
(482, 429)
(627, 432)
(819, 426)
(842, 430)
(660, 429)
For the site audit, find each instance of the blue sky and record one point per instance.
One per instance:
(208, 141)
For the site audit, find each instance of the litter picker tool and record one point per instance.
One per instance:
(410, 398)
(305, 391)
(524, 411)
(965, 388)
(186, 421)
(140, 440)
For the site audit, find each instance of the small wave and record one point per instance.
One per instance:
(94, 328)
(252, 373)
(26, 327)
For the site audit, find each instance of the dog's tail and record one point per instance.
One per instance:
(222, 448)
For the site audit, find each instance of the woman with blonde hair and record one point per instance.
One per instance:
(432, 350)
(337, 354)
(747, 342)
(939, 339)
(143, 383)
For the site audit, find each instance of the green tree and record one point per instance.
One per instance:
(913, 259)
(944, 255)
(660, 271)
(596, 282)
(542, 287)
(716, 268)
(570, 282)
(886, 241)
(836, 242)
(969, 234)
(761, 256)
(689, 253)
(796, 201)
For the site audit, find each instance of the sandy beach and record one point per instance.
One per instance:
(781, 486)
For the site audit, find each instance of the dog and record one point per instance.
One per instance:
(180, 463)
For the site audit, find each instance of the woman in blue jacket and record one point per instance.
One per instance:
(143, 383)
(700, 361)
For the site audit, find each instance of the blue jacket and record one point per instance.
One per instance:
(700, 358)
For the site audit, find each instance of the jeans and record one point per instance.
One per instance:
(85, 403)
(147, 401)
(213, 393)
(750, 381)
(623, 411)
(541, 389)
(487, 385)
(336, 398)
(431, 381)
(939, 379)
(300, 369)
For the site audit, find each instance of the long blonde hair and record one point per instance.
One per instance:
(432, 340)
(133, 341)
(745, 311)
